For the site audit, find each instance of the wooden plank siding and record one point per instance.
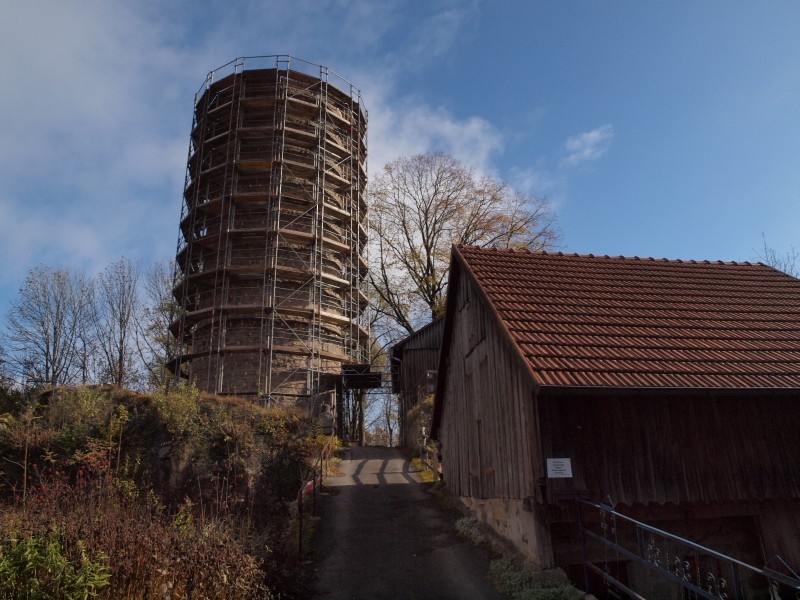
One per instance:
(487, 447)
(412, 359)
(414, 356)
(642, 447)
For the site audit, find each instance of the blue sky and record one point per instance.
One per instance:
(656, 129)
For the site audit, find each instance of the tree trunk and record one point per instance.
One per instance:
(362, 401)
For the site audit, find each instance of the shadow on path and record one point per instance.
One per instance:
(382, 536)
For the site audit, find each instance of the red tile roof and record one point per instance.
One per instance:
(584, 320)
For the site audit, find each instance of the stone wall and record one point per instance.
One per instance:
(524, 530)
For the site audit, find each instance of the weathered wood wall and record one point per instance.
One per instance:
(656, 447)
(487, 430)
(779, 523)
(414, 363)
(413, 358)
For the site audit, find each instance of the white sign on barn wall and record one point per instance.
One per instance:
(559, 468)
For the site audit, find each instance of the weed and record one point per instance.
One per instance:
(36, 566)
(178, 407)
(509, 579)
(132, 540)
(469, 528)
(418, 422)
(426, 474)
(522, 585)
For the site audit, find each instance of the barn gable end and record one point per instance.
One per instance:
(493, 459)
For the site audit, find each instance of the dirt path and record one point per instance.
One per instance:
(382, 537)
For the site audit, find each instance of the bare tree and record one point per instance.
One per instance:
(788, 262)
(390, 413)
(156, 345)
(87, 355)
(117, 305)
(46, 325)
(424, 204)
(384, 418)
(6, 378)
(11, 395)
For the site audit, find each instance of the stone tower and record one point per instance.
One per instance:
(270, 258)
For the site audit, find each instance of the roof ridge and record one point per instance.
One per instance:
(528, 251)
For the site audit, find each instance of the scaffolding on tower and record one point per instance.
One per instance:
(271, 257)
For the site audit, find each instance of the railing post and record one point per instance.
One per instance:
(640, 542)
(579, 510)
(738, 589)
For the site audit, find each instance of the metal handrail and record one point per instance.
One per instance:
(679, 575)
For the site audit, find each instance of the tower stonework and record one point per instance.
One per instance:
(271, 251)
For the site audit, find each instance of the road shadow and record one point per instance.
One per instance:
(384, 536)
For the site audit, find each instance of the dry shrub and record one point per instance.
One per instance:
(90, 406)
(147, 556)
(95, 449)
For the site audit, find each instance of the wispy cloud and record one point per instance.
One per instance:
(414, 127)
(435, 36)
(96, 123)
(538, 181)
(404, 124)
(588, 146)
(92, 158)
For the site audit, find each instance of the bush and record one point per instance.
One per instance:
(135, 547)
(521, 585)
(178, 406)
(37, 567)
(12, 400)
(187, 495)
(469, 528)
(78, 406)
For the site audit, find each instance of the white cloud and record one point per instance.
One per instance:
(413, 127)
(90, 159)
(34, 237)
(588, 146)
(403, 124)
(97, 108)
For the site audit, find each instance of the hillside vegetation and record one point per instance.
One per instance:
(111, 494)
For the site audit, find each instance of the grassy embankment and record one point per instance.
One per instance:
(112, 494)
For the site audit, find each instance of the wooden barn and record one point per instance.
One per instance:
(670, 388)
(414, 361)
